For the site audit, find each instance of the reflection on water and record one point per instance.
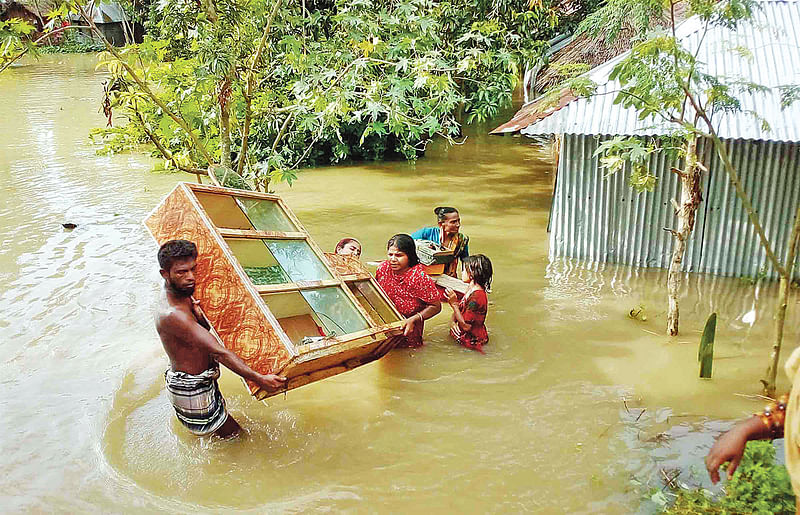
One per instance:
(538, 424)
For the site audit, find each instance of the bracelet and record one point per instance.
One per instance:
(421, 318)
(774, 416)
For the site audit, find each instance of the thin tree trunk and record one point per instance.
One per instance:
(225, 123)
(686, 212)
(248, 92)
(785, 270)
(780, 315)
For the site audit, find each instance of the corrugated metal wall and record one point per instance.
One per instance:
(597, 218)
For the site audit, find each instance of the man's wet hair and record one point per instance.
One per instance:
(175, 250)
(405, 244)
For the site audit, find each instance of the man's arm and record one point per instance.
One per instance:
(187, 329)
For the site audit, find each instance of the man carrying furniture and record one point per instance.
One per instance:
(194, 353)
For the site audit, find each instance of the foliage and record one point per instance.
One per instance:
(14, 38)
(614, 15)
(620, 150)
(705, 351)
(339, 80)
(760, 485)
(73, 43)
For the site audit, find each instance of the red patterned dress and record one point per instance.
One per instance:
(410, 293)
(473, 308)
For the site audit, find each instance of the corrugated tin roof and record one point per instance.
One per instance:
(536, 110)
(773, 39)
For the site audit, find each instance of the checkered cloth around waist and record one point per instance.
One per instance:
(197, 400)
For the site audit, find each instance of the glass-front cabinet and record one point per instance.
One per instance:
(271, 295)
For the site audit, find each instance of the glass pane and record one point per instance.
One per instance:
(372, 302)
(266, 215)
(295, 317)
(223, 211)
(298, 260)
(335, 310)
(258, 263)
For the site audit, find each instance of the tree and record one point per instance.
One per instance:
(664, 80)
(267, 88)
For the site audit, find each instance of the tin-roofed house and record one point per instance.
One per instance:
(111, 20)
(601, 219)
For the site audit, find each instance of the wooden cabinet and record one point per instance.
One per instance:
(271, 295)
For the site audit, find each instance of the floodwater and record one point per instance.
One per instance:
(576, 407)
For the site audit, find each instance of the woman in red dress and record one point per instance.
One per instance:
(413, 293)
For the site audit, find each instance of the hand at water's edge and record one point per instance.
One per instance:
(408, 327)
(730, 447)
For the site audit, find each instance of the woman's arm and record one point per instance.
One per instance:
(730, 446)
(428, 311)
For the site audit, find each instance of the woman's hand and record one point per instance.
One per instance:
(730, 446)
(451, 296)
(408, 328)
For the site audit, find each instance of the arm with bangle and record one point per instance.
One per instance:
(428, 311)
(761, 426)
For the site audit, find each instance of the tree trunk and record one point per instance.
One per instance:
(224, 95)
(780, 314)
(686, 212)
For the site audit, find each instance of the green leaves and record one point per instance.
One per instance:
(347, 79)
(620, 151)
(760, 485)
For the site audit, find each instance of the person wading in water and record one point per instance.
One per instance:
(194, 353)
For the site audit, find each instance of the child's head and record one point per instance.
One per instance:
(348, 247)
(479, 269)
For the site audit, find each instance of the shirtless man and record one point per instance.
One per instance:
(194, 353)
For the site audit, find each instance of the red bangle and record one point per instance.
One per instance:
(774, 415)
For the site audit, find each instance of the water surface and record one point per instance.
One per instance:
(572, 400)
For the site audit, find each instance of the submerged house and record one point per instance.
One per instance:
(602, 219)
(111, 20)
(32, 11)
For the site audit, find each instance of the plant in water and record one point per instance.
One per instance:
(264, 88)
(760, 485)
(705, 352)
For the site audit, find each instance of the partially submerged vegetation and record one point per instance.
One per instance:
(760, 485)
(265, 88)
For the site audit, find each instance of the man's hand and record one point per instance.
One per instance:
(196, 311)
(271, 382)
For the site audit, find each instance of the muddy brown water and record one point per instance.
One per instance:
(572, 407)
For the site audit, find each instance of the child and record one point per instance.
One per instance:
(469, 315)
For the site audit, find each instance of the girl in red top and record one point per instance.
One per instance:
(413, 293)
(469, 315)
